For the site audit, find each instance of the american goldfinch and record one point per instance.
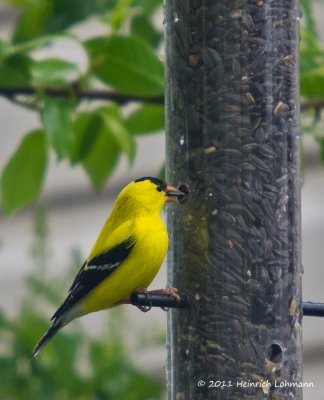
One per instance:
(126, 256)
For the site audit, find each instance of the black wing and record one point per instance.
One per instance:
(94, 272)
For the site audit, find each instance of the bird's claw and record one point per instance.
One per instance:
(165, 291)
(168, 292)
(144, 308)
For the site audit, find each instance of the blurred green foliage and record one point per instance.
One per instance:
(124, 60)
(73, 365)
(311, 76)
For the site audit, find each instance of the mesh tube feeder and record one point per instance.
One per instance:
(233, 143)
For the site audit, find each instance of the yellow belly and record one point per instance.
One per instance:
(136, 272)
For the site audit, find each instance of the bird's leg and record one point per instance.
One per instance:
(142, 308)
(121, 302)
(127, 301)
(167, 291)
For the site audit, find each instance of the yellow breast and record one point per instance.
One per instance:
(137, 271)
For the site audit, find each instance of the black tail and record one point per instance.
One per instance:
(57, 325)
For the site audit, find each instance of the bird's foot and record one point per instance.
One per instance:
(144, 308)
(165, 291)
(174, 292)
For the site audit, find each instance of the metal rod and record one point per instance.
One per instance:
(159, 300)
(313, 309)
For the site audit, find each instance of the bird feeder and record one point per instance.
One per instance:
(233, 144)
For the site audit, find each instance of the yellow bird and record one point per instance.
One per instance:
(126, 256)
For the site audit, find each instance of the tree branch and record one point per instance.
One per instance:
(315, 103)
(98, 94)
(92, 94)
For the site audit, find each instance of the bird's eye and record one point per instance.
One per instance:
(159, 189)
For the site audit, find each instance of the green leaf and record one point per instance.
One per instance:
(32, 44)
(15, 71)
(53, 71)
(23, 175)
(312, 83)
(119, 13)
(3, 48)
(102, 157)
(40, 17)
(311, 52)
(308, 14)
(129, 64)
(114, 123)
(149, 7)
(147, 119)
(86, 129)
(57, 121)
(142, 27)
(32, 22)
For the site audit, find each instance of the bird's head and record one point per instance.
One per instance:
(150, 193)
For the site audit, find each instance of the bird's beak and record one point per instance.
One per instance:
(172, 194)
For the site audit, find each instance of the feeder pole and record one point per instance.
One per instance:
(233, 142)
